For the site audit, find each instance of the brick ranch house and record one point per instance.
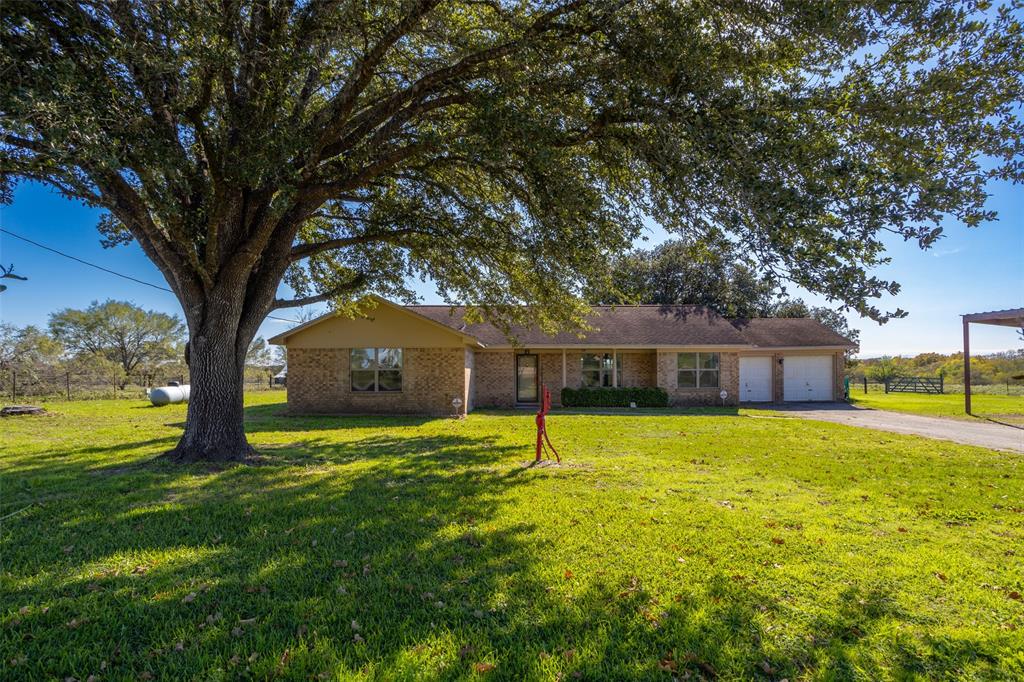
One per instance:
(418, 359)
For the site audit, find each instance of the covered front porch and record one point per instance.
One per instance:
(558, 368)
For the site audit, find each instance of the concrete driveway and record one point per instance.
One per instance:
(976, 432)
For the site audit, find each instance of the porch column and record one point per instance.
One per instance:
(967, 366)
(615, 368)
(563, 369)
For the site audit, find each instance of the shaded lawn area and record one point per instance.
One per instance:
(1008, 409)
(401, 548)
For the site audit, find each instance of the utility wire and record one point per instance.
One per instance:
(108, 270)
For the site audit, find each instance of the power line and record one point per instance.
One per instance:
(108, 270)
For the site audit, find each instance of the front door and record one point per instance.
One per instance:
(526, 379)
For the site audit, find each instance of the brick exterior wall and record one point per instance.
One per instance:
(639, 370)
(728, 378)
(319, 382)
(495, 379)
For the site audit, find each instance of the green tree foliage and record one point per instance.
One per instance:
(28, 350)
(882, 369)
(120, 332)
(504, 150)
(705, 273)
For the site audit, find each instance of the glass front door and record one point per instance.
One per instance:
(526, 379)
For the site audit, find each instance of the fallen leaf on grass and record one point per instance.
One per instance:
(483, 667)
(940, 576)
(189, 598)
(778, 541)
(703, 666)
(1014, 595)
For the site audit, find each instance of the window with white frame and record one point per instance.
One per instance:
(698, 370)
(376, 370)
(600, 370)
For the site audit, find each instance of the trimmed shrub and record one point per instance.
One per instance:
(614, 397)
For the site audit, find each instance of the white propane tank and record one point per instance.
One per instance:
(165, 395)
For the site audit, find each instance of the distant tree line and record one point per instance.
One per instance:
(994, 368)
(112, 341)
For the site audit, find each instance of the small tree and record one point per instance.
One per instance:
(883, 369)
(120, 332)
(28, 349)
(258, 354)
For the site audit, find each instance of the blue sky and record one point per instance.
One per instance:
(969, 270)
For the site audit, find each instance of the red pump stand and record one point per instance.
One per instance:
(542, 431)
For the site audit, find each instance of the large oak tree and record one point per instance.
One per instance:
(503, 148)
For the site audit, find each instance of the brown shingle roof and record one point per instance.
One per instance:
(778, 332)
(636, 326)
(643, 325)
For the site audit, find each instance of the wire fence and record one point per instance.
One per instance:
(51, 385)
(1013, 387)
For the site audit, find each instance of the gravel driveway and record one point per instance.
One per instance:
(978, 432)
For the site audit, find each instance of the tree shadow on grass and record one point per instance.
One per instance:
(392, 556)
(274, 417)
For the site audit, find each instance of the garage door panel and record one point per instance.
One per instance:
(807, 377)
(756, 379)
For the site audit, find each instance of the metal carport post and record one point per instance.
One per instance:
(1013, 317)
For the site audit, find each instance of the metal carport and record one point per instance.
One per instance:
(1013, 317)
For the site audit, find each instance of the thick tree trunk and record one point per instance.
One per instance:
(214, 430)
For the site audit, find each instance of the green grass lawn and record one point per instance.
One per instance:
(1003, 408)
(710, 545)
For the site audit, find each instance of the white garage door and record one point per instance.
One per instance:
(807, 377)
(756, 380)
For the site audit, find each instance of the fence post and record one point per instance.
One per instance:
(865, 383)
(942, 383)
(887, 384)
(67, 384)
